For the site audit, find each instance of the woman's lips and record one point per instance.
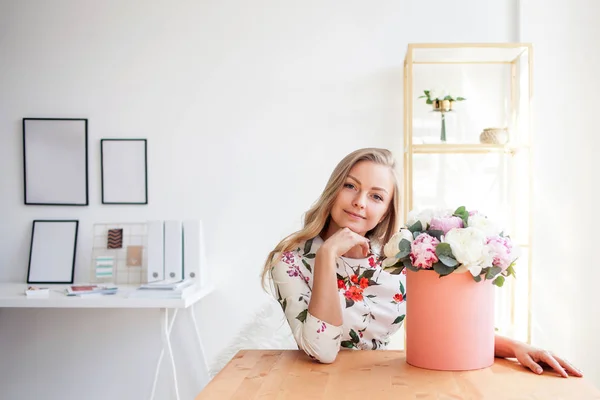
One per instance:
(355, 216)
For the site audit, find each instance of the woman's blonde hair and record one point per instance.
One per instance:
(317, 217)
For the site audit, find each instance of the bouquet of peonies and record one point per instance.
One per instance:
(448, 242)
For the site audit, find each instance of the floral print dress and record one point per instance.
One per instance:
(373, 302)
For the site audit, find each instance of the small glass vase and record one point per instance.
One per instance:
(443, 133)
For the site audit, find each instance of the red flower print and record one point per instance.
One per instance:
(372, 262)
(364, 283)
(341, 284)
(398, 298)
(354, 293)
(354, 279)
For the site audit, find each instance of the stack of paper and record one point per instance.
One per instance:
(87, 290)
(167, 289)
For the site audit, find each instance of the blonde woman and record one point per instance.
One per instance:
(328, 278)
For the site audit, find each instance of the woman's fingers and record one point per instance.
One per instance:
(547, 358)
(528, 362)
(568, 367)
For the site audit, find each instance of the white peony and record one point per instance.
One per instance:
(482, 223)
(392, 246)
(468, 247)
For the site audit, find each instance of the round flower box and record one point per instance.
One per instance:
(449, 321)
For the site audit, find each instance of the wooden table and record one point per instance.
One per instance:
(381, 374)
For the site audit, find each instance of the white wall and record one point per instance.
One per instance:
(247, 106)
(566, 64)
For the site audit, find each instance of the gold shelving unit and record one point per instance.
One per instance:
(496, 79)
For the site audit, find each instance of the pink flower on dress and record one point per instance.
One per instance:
(288, 257)
(422, 254)
(500, 249)
(444, 224)
(293, 271)
(322, 327)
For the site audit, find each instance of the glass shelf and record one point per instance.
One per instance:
(466, 148)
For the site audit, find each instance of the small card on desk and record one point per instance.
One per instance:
(35, 291)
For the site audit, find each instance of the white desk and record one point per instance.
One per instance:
(12, 295)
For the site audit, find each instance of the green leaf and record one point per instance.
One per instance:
(460, 210)
(307, 265)
(367, 274)
(372, 283)
(443, 249)
(477, 278)
(399, 319)
(397, 271)
(511, 271)
(404, 247)
(349, 302)
(448, 261)
(307, 246)
(416, 227)
(401, 288)
(409, 265)
(441, 269)
(463, 214)
(284, 304)
(499, 281)
(302, 316)
(428, 101)
(354, 336)
(370, 296)
(460, 98)
(435, 233)
(492, 272)
(339, 277)
(347, 344)
(310, 255)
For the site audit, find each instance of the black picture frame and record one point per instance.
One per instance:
(52, 251)
(124, 171)
(55, 161)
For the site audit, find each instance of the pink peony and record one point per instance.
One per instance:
(446, 223)
(422, 254)
(500, 249)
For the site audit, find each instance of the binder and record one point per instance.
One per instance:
(194, 255)
(173, 250)
(155, 251)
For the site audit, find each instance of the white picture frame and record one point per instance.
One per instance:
(52, 251)
(55, 161)
(124, 170)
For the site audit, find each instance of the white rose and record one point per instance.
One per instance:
(482, 223)
(468, 247)
(388, 262)
(392, 247)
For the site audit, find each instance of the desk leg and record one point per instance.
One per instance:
(206, 372)
(166, 327)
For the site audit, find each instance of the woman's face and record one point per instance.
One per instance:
(364, 199)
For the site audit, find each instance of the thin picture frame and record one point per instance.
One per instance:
(52, 251)
(55, 161)
(124, 171)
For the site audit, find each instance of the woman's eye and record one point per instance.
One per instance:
(349, 185)
(377, 197)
